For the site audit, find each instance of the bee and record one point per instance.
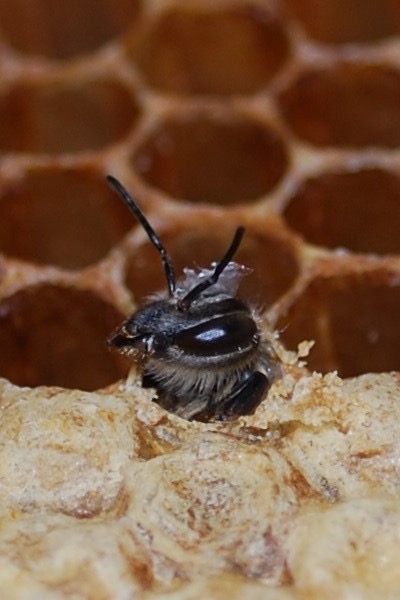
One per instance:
(200, 347)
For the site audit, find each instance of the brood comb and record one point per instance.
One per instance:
(284, 117)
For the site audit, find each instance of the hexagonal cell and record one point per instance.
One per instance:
(54, 335)
(327, 210)
(353, 319)
(213, 158)
(347, 21)
(59, 29)
(65, 217)
(225, 51)
(65, 116)
(349, 105)
(271, 257)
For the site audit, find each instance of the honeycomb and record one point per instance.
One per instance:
(279, 115)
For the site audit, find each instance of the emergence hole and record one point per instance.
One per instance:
(68, 218)
(272, 259)
(49, 117)
(61, 29)
(350, 105)
(348, 21)
(357, 210)
(353, 320)
(209, 159)
(216, 52)
(53, 335)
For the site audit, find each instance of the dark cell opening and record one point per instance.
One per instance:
(58, 117)
(65, 217)
(53, 335)
(61, 29)
(356, 210)
(350, 105)
(353, 320)
(214, 159)
(222, 52)
(272, 259)
(347, 21)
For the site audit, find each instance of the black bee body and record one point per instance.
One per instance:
(201, 347)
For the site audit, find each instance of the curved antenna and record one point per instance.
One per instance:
(213, 278)
(131, 204)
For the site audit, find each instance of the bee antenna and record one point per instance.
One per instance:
(131, 204)
(213, 278)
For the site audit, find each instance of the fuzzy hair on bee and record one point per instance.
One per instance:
(201, 348)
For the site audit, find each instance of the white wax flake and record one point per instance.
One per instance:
(227, 283)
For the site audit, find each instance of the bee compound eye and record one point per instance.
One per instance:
(218, 336)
